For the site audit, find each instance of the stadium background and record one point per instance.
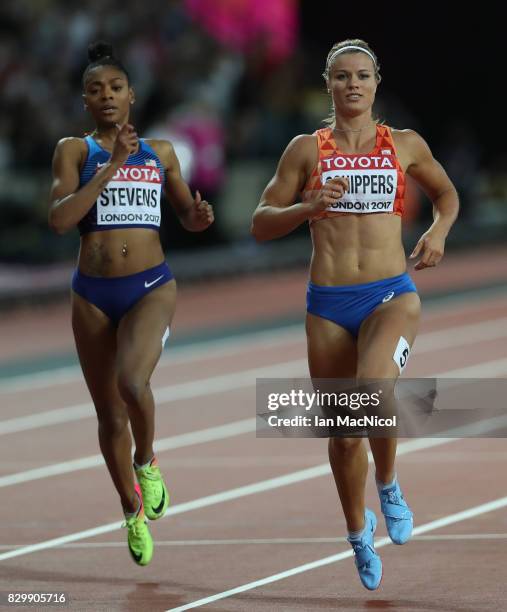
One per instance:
(230, 82)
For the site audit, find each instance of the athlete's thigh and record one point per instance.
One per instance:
(141, 330)
(95, 338)
(332, 349)
(384, 335)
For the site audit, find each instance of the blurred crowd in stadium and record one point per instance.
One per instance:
(181, 74)
(229, 82)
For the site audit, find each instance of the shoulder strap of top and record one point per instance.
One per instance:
(326, 142)
(384, 136)
(93, 147)
(146, 147)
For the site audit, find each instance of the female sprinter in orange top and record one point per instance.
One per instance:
(123, 293)
(362, 307)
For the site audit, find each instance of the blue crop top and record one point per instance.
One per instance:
(132, 196)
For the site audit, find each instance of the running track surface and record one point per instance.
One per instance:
(218, 534)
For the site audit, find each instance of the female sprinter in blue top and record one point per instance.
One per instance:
(362, 307)
(123, 293)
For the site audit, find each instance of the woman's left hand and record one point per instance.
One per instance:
(203, 213)
(431, 249)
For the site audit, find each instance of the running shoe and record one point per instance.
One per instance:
(139, 538)
(398, 516)
(368, 563)
(155, 495)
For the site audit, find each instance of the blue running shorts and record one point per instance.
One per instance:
(115, 296)
(349, 305)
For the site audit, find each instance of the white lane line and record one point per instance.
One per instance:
(170, 393)
(300, 569)
(235, 380)
(461, 536)
(492, 369)
(202, 502)
(178, 355)
(293, 334)
(49, 417)
(251, 489)
(272, 541)
(208, 349)
(488, 369)
(458, 336)
(220, 432)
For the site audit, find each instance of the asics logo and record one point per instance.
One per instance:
(389, 296)
(161, 505)
(149, 284)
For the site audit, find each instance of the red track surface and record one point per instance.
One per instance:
(206, 551)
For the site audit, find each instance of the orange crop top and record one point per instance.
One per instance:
(376, 179)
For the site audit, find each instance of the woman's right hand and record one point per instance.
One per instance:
(331, 192)
(125, 144)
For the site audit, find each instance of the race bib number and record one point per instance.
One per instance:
(372, 183)
(132, 196)
(401, 353)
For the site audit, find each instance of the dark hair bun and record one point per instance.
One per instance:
(98, 50)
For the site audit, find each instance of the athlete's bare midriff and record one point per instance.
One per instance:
(103, 253)
(351, 249)
(356, 248)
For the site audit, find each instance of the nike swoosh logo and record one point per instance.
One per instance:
(137, 557)
(147, 284)
(161, 505)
